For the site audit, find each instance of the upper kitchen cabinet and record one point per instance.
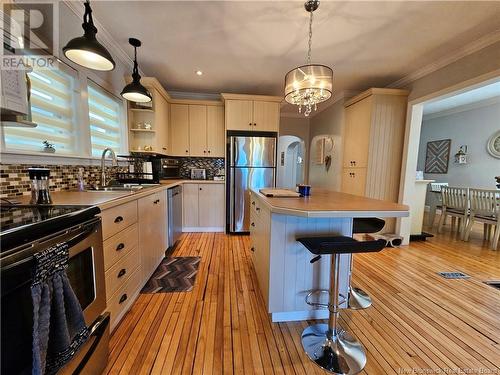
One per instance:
(252, 112)
(148, 123)
(373, 143)
(197, 128)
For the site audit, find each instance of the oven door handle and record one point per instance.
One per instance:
(96, 333)
(80, 237)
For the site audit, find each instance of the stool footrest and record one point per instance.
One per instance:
(322, 305)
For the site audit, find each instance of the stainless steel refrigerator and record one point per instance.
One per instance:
(251, 165)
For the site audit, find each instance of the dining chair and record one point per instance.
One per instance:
(454, 204)
(435, 201)
(485, 208)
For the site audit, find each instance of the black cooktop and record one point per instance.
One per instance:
(24, 223)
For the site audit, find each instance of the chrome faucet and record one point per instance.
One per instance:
(114, 163)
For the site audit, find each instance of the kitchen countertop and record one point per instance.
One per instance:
(327, 203)
(107, 200)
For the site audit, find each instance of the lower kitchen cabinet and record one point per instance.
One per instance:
(203, 207)
(135, 243)
(152, 234)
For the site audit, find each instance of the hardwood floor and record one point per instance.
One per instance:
(418, 322)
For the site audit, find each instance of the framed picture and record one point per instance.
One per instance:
(438, 156)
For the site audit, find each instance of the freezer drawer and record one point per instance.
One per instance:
(242, 180)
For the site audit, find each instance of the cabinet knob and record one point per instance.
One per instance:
(252, 249)
(253, 203)
(201, 188)
(209, 151)
(253, 224)
(204, 152)
(118, 219)
(250, 124)
(254, 124)
(257, 208)
(164, 148)
(187, 151)
(120, 246)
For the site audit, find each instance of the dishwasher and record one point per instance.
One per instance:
(174, 215)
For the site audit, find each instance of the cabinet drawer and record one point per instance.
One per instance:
(118, 218)
(118, 245)
(121, 300)
(118, 275)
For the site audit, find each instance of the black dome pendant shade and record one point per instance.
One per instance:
(134, 91)
(86, 50)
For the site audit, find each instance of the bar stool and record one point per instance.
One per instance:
(358, 298)
(328, 345)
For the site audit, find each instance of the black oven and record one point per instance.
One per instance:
(169, 168)
(86, 274)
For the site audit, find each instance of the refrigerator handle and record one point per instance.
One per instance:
(231, 199)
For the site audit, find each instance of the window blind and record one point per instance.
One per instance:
(53, 95)
(106, 119)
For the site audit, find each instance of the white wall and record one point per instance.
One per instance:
(298, 127)
(329, 122)
(471, 128)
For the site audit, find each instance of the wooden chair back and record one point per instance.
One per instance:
(455, 197)
(485, 202)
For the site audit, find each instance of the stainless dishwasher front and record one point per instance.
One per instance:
(174, 215)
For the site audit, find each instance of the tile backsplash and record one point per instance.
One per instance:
(212, 165)
(14, 178)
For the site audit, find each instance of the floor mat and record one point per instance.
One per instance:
(174, 274)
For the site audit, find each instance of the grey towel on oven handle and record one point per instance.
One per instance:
(59, 327)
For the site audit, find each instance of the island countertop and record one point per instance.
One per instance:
(328, 203)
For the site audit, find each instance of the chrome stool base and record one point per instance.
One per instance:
(342, 355)
(358, 299)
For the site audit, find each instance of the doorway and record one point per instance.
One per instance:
(290, 171)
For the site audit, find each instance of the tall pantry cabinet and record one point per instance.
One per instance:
(373, 143)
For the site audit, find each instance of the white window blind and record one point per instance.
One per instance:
(53, 95)
(106, 120)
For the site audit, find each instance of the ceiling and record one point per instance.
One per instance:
(484, 94)
(248, 46)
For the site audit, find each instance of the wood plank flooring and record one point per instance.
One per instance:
(419, 322)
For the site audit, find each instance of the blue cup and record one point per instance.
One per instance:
(305, 190)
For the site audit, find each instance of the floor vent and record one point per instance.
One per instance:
(493, 283)
(454, 275)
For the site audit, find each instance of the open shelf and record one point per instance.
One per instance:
(142, 110)
(143, 130)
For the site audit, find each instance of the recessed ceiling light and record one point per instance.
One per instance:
(199, 73)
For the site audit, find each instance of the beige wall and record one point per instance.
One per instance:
(482, 62)
(328, 122)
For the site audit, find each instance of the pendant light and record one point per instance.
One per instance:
(134, 91)
(310, 84)
(86, 50)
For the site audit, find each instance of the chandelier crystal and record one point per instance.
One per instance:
(310, 84)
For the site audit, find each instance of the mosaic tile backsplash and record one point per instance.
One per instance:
(14, 179)
(212, 165)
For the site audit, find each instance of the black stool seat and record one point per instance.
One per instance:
(340, 245)
(367, 225)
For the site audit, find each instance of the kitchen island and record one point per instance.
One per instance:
(284, 272)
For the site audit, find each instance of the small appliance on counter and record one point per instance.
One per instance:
(220, 175)
(170, 168)
(198, 174)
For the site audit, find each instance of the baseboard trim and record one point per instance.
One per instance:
(291, 316)
(203, 229)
